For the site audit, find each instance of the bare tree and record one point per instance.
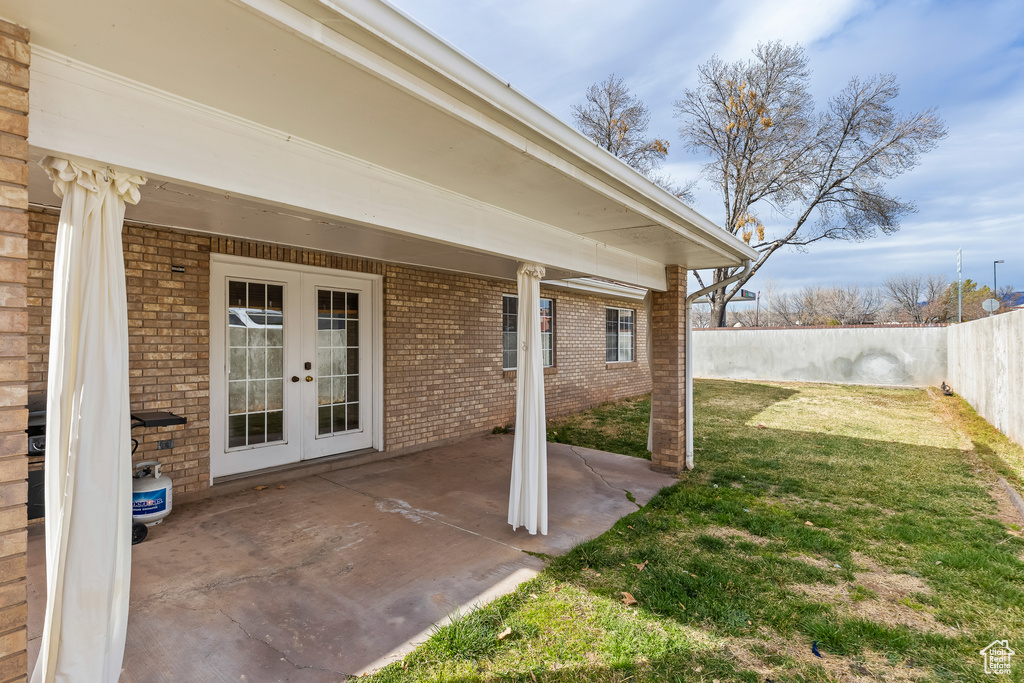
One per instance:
(683, 192)
(935, 308)
(747, 317)
(770, 150)
(919, 298)
(800, 308)
(617, 121)
(785, 310)
(1006, 295)
(905, 291)
(767, 292)
(850, 305)
(701, 316)
(838, 305)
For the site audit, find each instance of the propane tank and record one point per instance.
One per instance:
(151, 494)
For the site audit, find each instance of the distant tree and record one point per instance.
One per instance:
(1006, 294)
(746, 317)
(935, 309)
(920, 298)
(783, 310)
(972, 298)
(850, 305)
(770, 150)
(837, 305)
(617, 121)
(799, 308)
(701, 316)
(768, 293)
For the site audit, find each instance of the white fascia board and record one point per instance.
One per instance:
(84, 112)
(599, 287)
(412, 38)
(407, 36)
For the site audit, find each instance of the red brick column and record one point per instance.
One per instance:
(14, 61)
(668, 353)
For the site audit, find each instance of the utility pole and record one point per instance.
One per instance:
(959, 287)
(757, 309)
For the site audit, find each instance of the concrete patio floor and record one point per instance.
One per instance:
(340, 573)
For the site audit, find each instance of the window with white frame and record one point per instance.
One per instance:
(510, 329)
(619, 334)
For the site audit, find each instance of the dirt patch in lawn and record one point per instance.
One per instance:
(770, 655)
(818, 562)
(877, 595)
(729, 534)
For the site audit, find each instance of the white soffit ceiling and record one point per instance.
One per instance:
(168, 204)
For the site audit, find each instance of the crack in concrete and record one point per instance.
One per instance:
(181, 592)
(283, 655)
(589, 467)
(601, 476)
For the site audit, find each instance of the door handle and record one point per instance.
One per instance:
(309, 378)
(295, 378)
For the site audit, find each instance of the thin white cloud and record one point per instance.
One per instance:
(791, 21)
(965, 58)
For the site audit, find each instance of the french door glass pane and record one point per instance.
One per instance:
(337, 354)
(255, 363)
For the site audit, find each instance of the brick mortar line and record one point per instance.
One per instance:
(15, 654)
(10, 60)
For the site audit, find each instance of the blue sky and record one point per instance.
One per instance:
(964, 58)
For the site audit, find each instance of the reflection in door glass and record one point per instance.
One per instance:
(337, 356)
(255, 363)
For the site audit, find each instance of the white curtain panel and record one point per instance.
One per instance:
(528, 497)
(88, 442)
(648, 301)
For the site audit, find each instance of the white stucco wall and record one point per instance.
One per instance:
(902, 356)
(986, 367)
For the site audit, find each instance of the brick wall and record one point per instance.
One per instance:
(443, 374)
(168, 323)
(14, 62)
(443, 370)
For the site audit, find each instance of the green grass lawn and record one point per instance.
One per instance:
(856, 518)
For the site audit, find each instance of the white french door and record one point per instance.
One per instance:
(293, 364)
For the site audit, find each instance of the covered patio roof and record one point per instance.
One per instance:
(342, 126)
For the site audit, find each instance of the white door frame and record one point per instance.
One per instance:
(219, 264)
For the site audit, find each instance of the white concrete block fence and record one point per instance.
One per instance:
(986, 367)
(982, 360)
